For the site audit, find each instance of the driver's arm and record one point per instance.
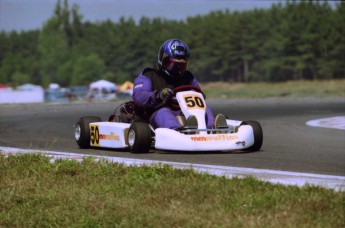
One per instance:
(195, 83)
(143, 93)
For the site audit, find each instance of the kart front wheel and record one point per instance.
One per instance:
(258, 135)
(82, 130)
(139, 137)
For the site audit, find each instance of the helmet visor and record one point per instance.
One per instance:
(175, 66)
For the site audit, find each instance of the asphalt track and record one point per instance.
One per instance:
(289, 144)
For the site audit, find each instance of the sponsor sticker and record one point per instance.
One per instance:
(111, 136)
(214, 138)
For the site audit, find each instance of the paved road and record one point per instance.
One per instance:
(288, 145)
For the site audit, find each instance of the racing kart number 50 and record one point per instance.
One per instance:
(194, 101)
(125, 130)
(94, 135)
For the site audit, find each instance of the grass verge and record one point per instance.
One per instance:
(36, 192)
(327, 88)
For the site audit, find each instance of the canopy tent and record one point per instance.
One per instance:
(29, 87)
(103, 85)
(126, 86)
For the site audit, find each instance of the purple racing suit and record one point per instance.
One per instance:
(145, 87)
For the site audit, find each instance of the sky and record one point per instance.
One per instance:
(31, 14)
(22, 15)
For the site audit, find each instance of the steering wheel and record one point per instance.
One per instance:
(173, 104)
(186, 88)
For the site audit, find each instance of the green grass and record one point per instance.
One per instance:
(327, 88)
(37, 193)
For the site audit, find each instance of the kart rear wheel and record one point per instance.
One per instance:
(258, 135)
(139, 137)
(82, 130)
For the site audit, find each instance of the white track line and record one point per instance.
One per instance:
(337, 122)
(274, 176)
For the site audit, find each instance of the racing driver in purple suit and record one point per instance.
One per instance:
(154, 86)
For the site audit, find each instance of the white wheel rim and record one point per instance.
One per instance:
(77, 132)
(131, 137)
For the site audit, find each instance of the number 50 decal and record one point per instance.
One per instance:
(94, 135)
(194, 101)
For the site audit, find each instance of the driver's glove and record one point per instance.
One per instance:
(164, 95)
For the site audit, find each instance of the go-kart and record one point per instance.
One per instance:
(124, 131)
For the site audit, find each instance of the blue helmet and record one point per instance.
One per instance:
(173, 57)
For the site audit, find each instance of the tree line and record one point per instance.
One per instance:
(290, 41)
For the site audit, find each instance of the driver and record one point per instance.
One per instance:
(154, 86)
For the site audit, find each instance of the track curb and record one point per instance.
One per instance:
(274, 176)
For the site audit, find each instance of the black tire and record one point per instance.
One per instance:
(258, 135)
(139, 137)
(84, 130)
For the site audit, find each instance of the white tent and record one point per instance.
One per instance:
(103, 85)
(27, 93)
(29, 87)
(54, 86)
